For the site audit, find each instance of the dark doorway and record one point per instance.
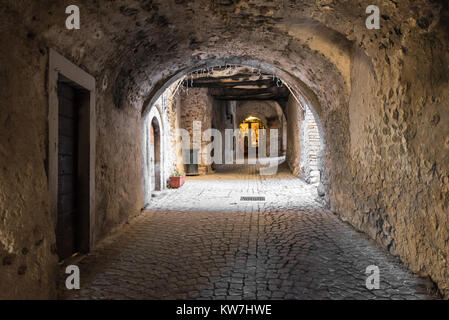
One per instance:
(156, 156)
(72, 227)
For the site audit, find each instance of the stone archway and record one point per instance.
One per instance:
(379, 96)
(271, 115)
(153, 153)
(270, 111)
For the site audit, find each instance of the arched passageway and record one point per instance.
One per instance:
(378, 98)
(222, 190)
(208, 104)
(153, 154)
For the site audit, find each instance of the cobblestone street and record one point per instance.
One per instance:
(202, 242)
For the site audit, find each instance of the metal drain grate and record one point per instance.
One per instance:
(248, 198)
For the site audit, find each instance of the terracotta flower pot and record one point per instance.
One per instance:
(177, 182)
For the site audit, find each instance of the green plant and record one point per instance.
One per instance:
(177, 174)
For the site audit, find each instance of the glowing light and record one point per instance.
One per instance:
(251, 118)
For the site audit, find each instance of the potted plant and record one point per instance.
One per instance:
(177, 180)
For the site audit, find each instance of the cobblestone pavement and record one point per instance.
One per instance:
(202, 242)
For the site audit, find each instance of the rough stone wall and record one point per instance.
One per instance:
(310, 148)
(172, 115)
(28, 260)
(119, 191)
(175, 116)
(399, 146)
(284, 136)
(224, 117)
(196, 105)
(295, 118)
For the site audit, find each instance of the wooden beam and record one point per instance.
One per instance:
(213, 83)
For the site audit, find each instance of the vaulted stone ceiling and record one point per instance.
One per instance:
(149, 41)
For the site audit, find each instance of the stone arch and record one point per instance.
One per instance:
(153, 153)
(378, 94)
(303, 92)
(305, 96)
(266, 111)
(299, 87)
(256, 114)
(252, 108)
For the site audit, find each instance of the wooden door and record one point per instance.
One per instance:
(67, 171)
